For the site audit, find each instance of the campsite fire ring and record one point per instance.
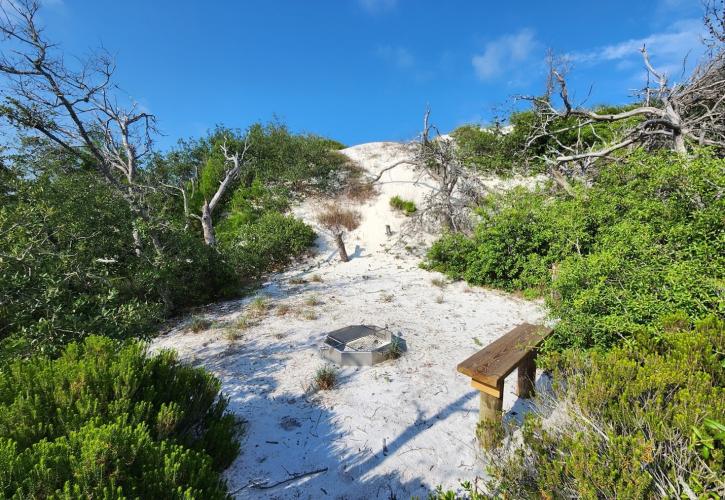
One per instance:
(361, 345)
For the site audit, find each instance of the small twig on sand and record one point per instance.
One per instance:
(258, 485)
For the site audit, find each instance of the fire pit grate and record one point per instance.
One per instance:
(360, 345)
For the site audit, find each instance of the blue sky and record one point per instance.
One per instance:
(364, 70)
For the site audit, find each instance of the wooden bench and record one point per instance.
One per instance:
(491, 365)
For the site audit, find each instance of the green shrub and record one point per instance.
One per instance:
(268, 243)
(406, 206)
(643, 243)
(513, 149)
(467, 491)
(632, 425)
(108, 420)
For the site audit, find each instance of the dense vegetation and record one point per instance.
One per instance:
(520, 147)
(68, 268)
(642, 244)
(82, 415)
(641, 418)
(108, 420)
(632, 270)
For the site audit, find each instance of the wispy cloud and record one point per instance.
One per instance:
(668, 49)
(377, 6)
(400, 57)
(504, 54)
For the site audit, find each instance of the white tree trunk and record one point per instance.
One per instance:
(207, 225)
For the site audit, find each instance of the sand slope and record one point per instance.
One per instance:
(393, 430)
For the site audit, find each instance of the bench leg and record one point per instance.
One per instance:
(527, 376)
(489, 418)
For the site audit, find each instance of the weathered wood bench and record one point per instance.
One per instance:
(491, 365)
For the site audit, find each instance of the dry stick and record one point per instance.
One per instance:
(265, 486)
(380, 174)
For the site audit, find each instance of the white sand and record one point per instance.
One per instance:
(396, 429)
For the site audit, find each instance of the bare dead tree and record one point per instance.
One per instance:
(456, 188)
(715, 23)
(235, 162)
(76, 109)
(337, 219)
(668, 116)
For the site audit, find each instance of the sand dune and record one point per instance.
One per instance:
(398, 428)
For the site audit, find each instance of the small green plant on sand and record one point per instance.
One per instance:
(395, 350)
(198, 323)
(439, 282)
(243, 322)
(309, 314)
(258, 307)
(325, 378)
(312, 301)
(232, 334)
(467, 491)
(406, 206)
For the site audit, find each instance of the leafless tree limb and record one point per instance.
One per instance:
(669, 116)
(74, 108)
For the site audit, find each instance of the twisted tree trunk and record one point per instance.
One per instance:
(341, 247)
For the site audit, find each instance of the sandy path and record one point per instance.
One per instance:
(393, 430)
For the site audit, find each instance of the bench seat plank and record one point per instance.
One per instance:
(494, 362)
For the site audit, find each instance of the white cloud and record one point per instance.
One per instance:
(375, 6)
(667, 49)
(400, 57)
(504, 54)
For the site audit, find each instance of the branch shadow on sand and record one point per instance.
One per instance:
(288, 435)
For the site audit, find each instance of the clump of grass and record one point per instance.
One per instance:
(312, 301)
(336, 218)
(243, 322)
(387, 297)
(198, 324)
(258, 307)
(309, 314)
(360, 190)
(406, 206)
(439, 282)
(316, 278)
(439, 299)
(232, 334)
(283, 309)
(395, 350)
(325, 378)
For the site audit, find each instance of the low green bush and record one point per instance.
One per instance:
(108, 420)
(268, 243)
(643, 243)
(406, 206)
(634, 425)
